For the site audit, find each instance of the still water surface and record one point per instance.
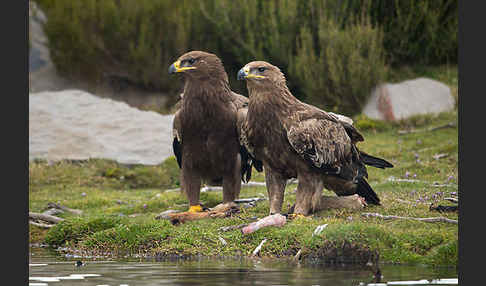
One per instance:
(210, 272)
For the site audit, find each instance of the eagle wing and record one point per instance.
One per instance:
(248, 159)
(320, 139)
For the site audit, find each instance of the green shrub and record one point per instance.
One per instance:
(341, 72)
(332, 51)
(423, 32)
(110, 39)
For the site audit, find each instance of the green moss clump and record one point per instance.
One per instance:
(75, 229)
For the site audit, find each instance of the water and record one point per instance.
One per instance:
(212, 272)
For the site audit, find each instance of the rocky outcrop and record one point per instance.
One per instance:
(77, 125)
(412, 97)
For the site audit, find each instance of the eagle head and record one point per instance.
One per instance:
(261, 73)
(198, 65)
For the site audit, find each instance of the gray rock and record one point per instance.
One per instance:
(77, 125)
(412, 97)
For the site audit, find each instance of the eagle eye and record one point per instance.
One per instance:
(191, 60)
(261, 69)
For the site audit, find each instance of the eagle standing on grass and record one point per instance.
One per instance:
(297, 140)
(205, 133)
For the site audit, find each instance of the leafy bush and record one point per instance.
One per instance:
(341, 72)
(332, 52)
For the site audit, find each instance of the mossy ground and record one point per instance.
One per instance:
(120, 203)
(109, 193)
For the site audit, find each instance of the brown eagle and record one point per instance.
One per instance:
(297, 140)
(205, 133)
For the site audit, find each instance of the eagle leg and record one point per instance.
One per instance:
(276, 188)
(308, 193)
(232, 182)
(191, 186)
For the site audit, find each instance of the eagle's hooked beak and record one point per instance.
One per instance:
(176, 67)
(244, 73)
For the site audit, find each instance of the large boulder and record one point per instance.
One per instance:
(412, 97)
(76, 125)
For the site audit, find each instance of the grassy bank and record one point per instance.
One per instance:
(120, 203)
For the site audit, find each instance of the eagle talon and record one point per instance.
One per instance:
(195, 209)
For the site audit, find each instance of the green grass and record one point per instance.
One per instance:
(109, 193)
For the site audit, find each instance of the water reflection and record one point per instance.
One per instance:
(214, 272)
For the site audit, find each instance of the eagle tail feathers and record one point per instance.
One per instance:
(375, 161)
(364, 190)
(176, 147)
(247, 162)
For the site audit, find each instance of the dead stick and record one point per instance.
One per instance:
(41, 225)
(257, 249)
(448, 125)
(218, 188)
(432, 184)
(249, 200)
(57, 206)
(297, 256)
(454, 200)
(45, 217)
(427, 219)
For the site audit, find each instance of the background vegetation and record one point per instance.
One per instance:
(333, 52)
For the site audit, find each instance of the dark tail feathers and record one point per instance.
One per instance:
(364, 190)
(247, 162)
(374, 161)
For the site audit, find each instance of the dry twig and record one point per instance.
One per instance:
(427, 219)
(258, 248)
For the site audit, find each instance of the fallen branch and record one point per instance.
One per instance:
(258, 248)
(448, 125)
(297, 256)
(64, 208)
(249, 200)
(222, 240)
(404, 201)
(45, 217)
(432, 184)
(428, 219)
(319, 229)
(41, 225)
(53, 212)
(219, 188)
(454, 200)
(440, 156)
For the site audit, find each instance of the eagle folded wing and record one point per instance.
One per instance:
(321, 142)
(248, 159)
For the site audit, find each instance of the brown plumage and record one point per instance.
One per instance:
(204, 129)
(297, 140)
